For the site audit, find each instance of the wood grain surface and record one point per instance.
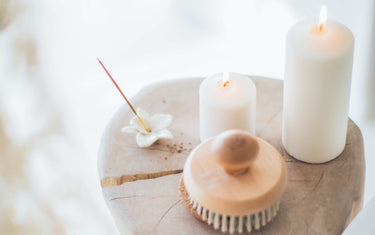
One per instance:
(140, 185)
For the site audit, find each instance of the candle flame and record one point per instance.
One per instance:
(322, 17)
(226, 76)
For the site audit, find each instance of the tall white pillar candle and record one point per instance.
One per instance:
(317, 82)
(226, 101)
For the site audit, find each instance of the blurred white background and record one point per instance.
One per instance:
(55, 100)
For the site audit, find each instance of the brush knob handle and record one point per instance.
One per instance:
(235, 150)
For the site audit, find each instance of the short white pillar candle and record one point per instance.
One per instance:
(226, 101)
(318, 72)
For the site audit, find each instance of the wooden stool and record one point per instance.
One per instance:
(140, 185)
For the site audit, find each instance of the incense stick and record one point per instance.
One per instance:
(123, 95)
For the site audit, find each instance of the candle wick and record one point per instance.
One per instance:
(123, 95)
(321, 27)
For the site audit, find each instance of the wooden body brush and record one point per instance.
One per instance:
(234, 182)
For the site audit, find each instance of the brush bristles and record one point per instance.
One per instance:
(235, 223)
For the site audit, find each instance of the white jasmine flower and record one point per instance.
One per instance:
(156, 123)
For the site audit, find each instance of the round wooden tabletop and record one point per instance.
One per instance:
(140, 185)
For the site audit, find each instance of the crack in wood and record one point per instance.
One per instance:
(300, 180)
(273, 117)
(116, 181)
(320, 179)
(166, 212)
(126, 197)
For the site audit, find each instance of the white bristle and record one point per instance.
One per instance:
(216, 223)
(231, 224)
(194, 204)
(240, 225)
(234, 224)
(256, 221)
(269, 216)
(209, 218)
(204, 214)
(274, 210)
(224, 227)
(199, 209)
(248, 224)
(264, 221)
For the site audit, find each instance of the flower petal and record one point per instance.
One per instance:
(164, 134)
(146, 140)
(129, 129)
(160, 121)
(138, 125)
(157, 123)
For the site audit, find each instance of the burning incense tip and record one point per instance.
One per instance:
(123, 95)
